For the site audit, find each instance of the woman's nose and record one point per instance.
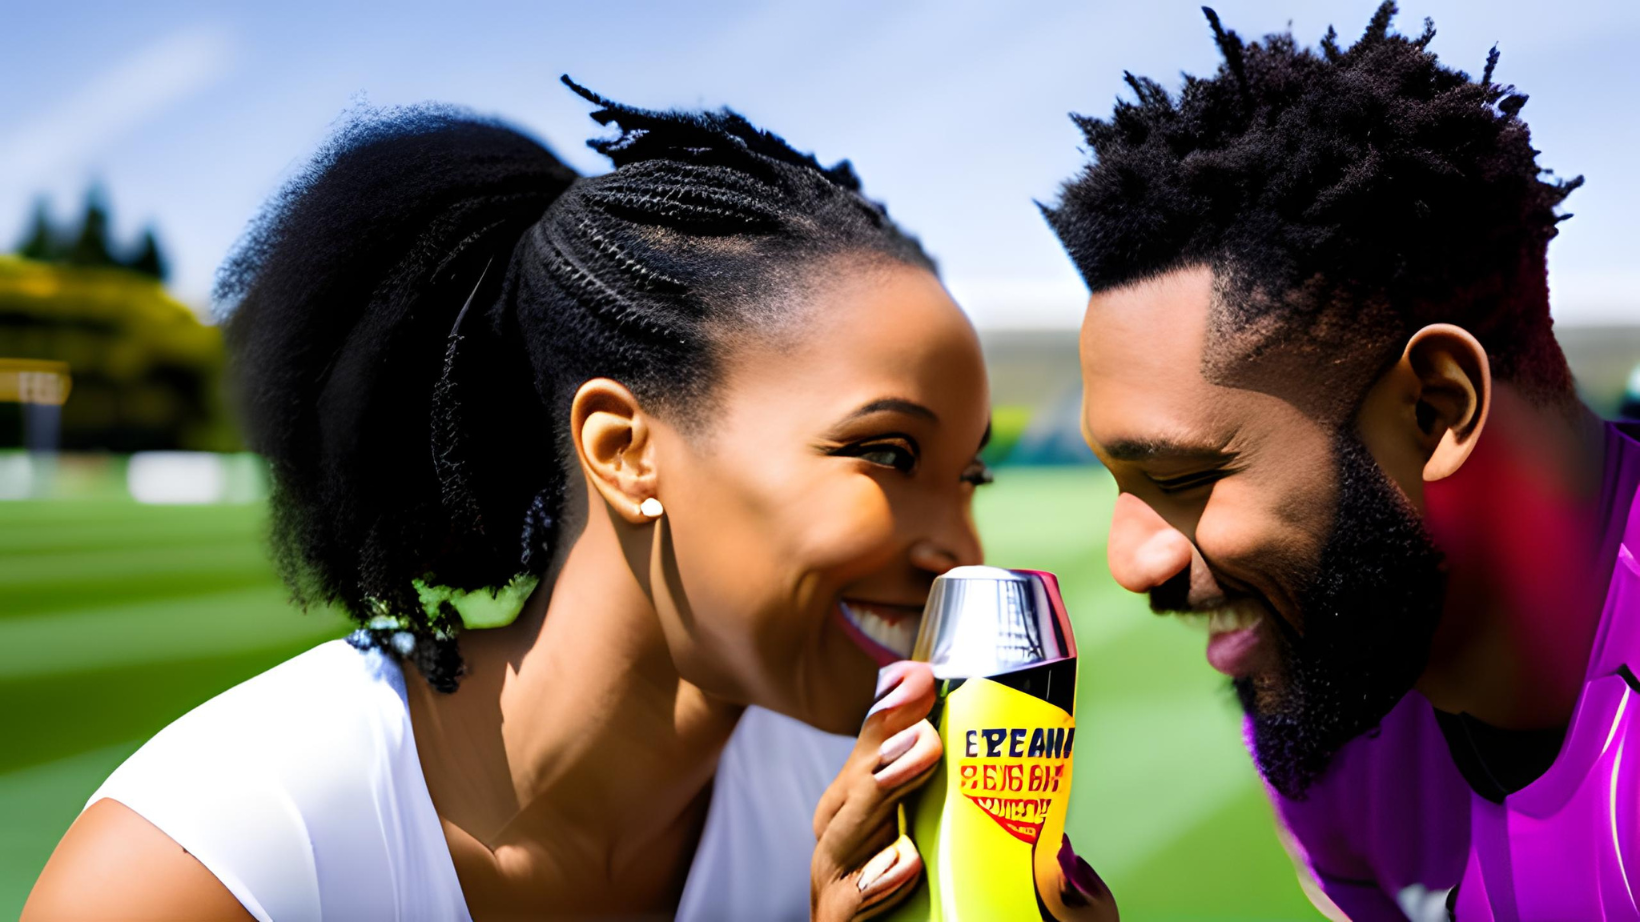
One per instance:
(1144, 551)
(957, 545)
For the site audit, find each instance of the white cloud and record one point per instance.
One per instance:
(136, 89)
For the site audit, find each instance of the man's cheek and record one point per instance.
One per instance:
(1242, 526)
(1243, 534)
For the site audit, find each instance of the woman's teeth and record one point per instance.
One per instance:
(893, 628)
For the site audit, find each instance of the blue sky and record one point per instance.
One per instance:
(953, 112)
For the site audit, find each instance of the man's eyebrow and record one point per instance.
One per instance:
(1142, 450)
(901, 405)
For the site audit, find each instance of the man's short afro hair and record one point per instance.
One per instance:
(1372, 177)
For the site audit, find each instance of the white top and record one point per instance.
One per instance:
(300, 790)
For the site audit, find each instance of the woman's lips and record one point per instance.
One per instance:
(886, 631)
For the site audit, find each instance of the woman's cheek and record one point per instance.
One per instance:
(847, 532)
(755, 576)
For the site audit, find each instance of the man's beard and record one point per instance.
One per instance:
(1369, 614)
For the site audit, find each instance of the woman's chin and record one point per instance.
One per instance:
(840, 676)
(841, 688)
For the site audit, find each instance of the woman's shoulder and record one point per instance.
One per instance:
(301, 790)
(321, 698)
(327, 717)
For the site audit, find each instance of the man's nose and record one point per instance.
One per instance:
(1144, 551)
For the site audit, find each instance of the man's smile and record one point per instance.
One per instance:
(1238, 636)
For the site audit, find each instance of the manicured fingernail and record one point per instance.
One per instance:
(1088, 880)
(896, 745)
(1084, 882)
(889, 677)
(877, 866)
(898, 695)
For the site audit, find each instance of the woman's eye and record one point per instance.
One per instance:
(979, 474)
(898, 453)
(895, 457)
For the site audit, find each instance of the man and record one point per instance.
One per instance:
(1319, 361)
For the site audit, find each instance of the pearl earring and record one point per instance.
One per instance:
(651, 508)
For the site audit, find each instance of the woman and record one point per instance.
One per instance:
(638, 472)
(596, 463)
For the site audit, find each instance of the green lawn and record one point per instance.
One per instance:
(116, 618)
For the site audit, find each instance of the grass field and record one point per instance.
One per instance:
(116, 618)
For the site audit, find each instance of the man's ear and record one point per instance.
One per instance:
(615, 443)
(1452, 386)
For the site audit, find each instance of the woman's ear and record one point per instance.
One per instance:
(616, 446)
(1452, 388)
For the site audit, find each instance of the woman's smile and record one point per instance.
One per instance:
(886, 631)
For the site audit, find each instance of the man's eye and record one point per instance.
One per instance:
(1188, 482)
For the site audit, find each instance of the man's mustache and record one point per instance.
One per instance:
(1173, 596)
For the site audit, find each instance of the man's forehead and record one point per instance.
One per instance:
(1156, 326)
(1141, 349)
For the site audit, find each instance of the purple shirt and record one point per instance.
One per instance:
(1392, 826)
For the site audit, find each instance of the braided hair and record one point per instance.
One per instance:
(412, 316)
(1371, 182)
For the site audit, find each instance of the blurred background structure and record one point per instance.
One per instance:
(134, 580)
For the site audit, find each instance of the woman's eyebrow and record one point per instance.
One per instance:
(901, 405)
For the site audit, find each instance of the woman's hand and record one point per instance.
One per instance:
(862, 864)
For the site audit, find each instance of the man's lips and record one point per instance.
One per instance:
(1236, 638)
(1235, 653)
(886, 631)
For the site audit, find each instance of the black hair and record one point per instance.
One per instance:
(1372, 181)
(411, 317)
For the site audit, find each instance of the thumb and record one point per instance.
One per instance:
(907, 693)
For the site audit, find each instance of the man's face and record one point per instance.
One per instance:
(1320, 588)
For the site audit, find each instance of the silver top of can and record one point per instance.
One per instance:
(983, 621)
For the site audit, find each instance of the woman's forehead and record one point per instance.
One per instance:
(890, 333)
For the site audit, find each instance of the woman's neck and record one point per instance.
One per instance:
(572, 737)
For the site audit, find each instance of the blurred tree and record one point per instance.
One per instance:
(147, 373)
(92, 248)
(148, 260)
(42, 241)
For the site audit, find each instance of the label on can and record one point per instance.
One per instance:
(990, 821)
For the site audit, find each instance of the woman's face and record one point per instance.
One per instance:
(832, 480)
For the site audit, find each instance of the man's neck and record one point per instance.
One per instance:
(1520, 527)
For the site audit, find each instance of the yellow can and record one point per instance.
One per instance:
(989, 824)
